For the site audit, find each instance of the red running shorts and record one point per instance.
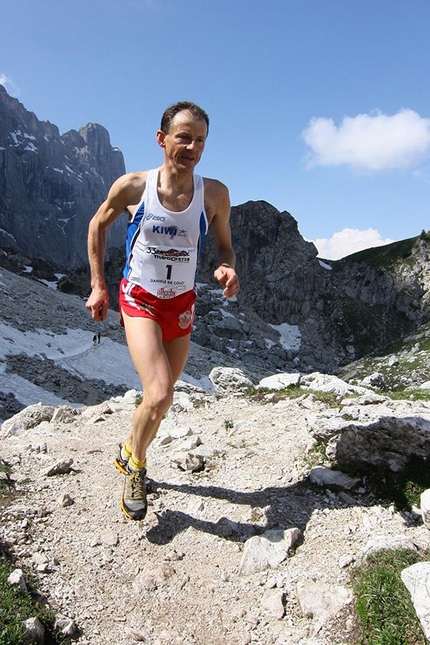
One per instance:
(174, 315)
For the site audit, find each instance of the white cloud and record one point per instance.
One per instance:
(369, 141)
(9, 84)
(347, 241)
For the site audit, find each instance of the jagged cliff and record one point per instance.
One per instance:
(51, 184)
(344, 309)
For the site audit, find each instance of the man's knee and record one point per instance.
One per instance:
(157, 403)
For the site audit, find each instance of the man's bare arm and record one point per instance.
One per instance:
(226, 258)
(124, 193)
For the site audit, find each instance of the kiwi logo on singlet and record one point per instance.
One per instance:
(171, 231)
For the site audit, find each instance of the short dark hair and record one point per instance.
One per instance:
(173, 110)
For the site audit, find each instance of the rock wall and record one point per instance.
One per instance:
(344, 309)
(278, 269)
(51, 184)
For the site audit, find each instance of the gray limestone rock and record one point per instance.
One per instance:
(51, 184)
(229, 379)
(279, 381)
(416, 578)
(34, 631)
(16, 578)
(333, 479)
(267, 550)
(425, 507)
(386, 435)
(322, 601)
(30, 417)
(388, 543)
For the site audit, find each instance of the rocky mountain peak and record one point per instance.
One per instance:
(51, 184)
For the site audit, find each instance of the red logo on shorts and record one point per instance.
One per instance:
(185, 319)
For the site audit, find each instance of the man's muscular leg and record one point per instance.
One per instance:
(158, 365)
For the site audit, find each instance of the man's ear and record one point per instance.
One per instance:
(160, 136)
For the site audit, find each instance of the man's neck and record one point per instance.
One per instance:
(172, 181)
(175, 189)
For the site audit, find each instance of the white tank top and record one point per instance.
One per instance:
(162, 246)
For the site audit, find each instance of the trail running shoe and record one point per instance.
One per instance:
(120, 463)
(133, 501)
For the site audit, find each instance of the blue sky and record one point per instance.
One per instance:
(319, 107)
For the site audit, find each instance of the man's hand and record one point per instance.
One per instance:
(227, 276)
(98, 304)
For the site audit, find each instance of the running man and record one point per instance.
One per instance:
(170, 209)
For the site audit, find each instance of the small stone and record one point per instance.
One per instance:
(180, 432)
(40, 559)
(416, 579)
(60, 468)
(335, 479)
(227, 528)
(190, 443)
(66, 500)
(34, 631)
(110, 538)
(17, 579)
(136, 634)
(63, 414)
(42, 568)
(388, 543)
(320, 600)
(188, 462)
(273, 603)
(268, 550)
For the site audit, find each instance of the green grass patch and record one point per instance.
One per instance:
(265, 395)
(138, 400)
(383, 604)
(330, 399)
(413, 481)
(5, 481)
(410, 395)
(16, 606)
(403, 489)
(315, 456)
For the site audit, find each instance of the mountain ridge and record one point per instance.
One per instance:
(51, 184)
(342, 310)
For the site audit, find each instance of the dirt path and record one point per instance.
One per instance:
(174, 578)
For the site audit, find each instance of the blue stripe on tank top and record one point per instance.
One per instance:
(132, 233)
(201, 241)
(203, 231)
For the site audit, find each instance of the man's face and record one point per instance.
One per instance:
(184, 143)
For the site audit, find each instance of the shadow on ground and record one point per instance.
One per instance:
(282, 507)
